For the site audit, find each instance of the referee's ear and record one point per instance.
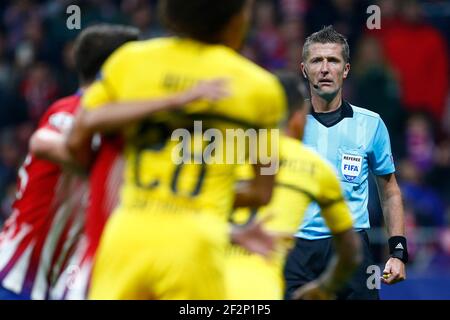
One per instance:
(302, 67)
(346, 70)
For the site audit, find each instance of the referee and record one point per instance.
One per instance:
(354, 140)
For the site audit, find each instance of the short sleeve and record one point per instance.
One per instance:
(60, 122)
(105, 88)
(380, 157)
(59, 117)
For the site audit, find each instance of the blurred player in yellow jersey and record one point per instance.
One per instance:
(166, 239)
(303, 177)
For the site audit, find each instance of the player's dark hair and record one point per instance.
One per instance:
(327, 35)
(295, 91)
(94, 45)
(202, 20)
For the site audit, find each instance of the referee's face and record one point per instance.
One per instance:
(325, 68)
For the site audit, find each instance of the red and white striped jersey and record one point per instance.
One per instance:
(47, 218)
(105, 179)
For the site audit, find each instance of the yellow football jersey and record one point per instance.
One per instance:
(303, 177)
(158, 244)
(155, 68)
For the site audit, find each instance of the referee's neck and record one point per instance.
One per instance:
(322, 105)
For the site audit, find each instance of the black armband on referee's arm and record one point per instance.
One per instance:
(398, 248)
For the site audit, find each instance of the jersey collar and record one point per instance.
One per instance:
(345, 109)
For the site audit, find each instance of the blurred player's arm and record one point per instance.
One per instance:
(111, 117)
(272, 108)
(256, 192)
(347, 243)
(126, 113)
(51, 145)
(254, 237)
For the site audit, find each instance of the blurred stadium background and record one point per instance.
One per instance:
(400, 71)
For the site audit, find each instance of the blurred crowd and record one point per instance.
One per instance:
(400, 71)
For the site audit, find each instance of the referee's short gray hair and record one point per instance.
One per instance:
(327, 35)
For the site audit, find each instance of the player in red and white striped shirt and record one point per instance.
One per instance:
(48, 214)
(38, 232)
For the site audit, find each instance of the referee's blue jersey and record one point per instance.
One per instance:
(357, 143)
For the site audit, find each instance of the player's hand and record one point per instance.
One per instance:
(212, 90)
(254, 238)
(313, 291)
(394, 271)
